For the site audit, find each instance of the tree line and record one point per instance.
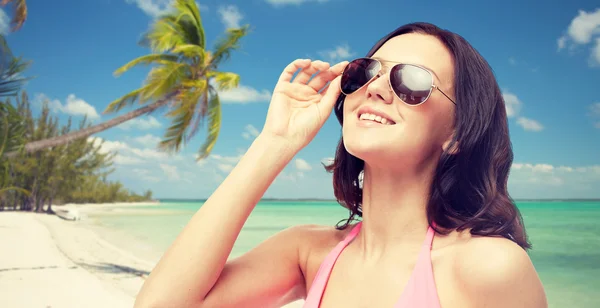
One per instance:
(75, 172)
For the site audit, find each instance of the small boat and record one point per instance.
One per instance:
(67, 213)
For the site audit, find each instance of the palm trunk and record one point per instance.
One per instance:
(60, 140)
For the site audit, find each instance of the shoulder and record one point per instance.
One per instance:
(313, 237)
(496, 272)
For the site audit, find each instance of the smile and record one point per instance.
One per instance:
(367, 114)
(375, 118)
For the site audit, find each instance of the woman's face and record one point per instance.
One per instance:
(420, 132)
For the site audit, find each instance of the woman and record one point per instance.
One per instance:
(424, 125)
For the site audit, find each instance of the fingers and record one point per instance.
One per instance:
(323, 78)
(292, 68)
(328, 101)
(305, 74)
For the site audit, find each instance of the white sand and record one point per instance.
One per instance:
(35, 273)
(46, 261)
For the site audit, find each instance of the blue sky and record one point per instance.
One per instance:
(546, 58)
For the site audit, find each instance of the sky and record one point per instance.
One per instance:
(546, 59)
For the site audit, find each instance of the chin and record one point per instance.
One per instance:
(371, 150)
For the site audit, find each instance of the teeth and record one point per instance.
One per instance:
(376, 118)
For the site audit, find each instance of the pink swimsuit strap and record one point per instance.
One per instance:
(419, 292)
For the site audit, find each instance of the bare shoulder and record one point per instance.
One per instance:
(496, 272)
(316, 236)
(314, 243)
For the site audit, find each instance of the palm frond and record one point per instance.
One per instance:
(13, 188)
(191, 51)
(225, 80)
(12, 129)
(11, 80)
(20, 15)
(174, 137)
(164, 79)
(126, 100)
(227, 44)
(147, 59)
(214, 125)
(189, 9)
(164, 35)
(174, 29)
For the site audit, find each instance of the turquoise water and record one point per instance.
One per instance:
(565, 237)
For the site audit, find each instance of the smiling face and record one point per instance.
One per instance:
(380, 128)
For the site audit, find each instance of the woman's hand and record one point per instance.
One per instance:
(298, 108)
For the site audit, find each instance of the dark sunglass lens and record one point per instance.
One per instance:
(358, 73)
(411, 83)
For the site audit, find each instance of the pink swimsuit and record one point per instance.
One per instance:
(420, 292)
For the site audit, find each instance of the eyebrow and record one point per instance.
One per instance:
(429, 69)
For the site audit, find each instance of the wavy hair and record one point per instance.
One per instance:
(469, 188)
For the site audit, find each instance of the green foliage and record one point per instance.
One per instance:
(185, 74)
(72, 172)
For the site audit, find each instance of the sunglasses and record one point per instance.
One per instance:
(411, 83)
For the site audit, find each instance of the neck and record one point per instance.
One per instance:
(394, 210)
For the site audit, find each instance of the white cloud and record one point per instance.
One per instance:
(148, 140)
(250, 132)
(534, 168)
(512, 103)
(513, 107)
(144, 123)
(227, 159)
(129, 155)
(327, 160)
(595, 55)
(243, 95)
(527, 177)
(512, 61)
(230, 16)
(337, 54)
(581, 31)
(170, 171)
(4, 23)
(225, 167)
(302, 165)
(279, 3)
(154, 8)
(73, 106)
(530, 124)
(145, 175)
(595, 113)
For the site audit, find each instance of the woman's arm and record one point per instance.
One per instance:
(193, 272)
(190, 268)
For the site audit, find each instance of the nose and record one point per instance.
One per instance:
(379, 88)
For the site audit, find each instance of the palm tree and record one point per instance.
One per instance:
(184, 79)
(20, 13)
(11, 125)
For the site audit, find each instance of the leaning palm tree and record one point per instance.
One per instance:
(184, 80)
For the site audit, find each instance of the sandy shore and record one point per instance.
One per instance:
(46, 261)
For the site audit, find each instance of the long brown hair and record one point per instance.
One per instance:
(469, 189)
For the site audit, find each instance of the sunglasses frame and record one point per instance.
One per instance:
(433, 85)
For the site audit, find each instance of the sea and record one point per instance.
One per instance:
(565, 236)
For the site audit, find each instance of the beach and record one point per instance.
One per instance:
(101, 259)
(47, 261)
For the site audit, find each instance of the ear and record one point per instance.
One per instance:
(446, 146)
